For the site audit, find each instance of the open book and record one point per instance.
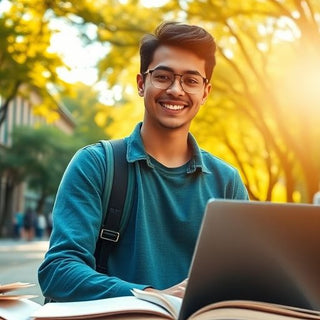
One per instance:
(152, 306)
(15, 306)
(7, 289)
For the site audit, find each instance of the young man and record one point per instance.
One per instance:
(174, 180)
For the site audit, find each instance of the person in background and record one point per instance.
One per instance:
(17, 224)
(175, 178)
(41, 226)
(29, 223)
(316, 197)
(49, 224)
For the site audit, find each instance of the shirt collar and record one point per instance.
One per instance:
(136, 151)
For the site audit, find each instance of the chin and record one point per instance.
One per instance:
(173, 124)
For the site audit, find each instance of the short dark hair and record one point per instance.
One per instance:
(189, 37)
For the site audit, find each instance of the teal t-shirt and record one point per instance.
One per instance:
(157, 245)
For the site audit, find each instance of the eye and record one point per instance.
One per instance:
(191, 80)
(162, 76)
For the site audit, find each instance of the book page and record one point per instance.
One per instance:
(253, 310)
(5, 288)
(240, 314)
(17, 309)
(16, 296)
(14, 286)
(171, 303)
(115, 308)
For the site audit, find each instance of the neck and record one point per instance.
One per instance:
(168, 146)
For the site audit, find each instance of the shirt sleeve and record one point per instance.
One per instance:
(238, 190)
(68, 270)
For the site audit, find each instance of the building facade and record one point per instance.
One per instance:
(20, 113)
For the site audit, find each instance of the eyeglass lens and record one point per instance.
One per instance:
(190, 83)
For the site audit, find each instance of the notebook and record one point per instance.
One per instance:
(252, 250)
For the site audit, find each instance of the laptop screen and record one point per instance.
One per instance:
(262, 251)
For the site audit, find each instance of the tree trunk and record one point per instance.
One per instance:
(5, 106)
(7, 214)
(41, 203)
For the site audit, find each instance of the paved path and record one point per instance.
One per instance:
(19, 261)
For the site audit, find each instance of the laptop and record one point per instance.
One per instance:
(250, 250)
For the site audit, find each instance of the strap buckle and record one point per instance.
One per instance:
(109, 235)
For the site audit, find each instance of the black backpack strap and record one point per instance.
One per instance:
(110, 229)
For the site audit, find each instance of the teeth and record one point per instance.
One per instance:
(173, 106)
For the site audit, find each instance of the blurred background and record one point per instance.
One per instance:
(67, 79)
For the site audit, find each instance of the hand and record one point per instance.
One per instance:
(177, 290)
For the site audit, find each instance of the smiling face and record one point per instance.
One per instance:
(172, 108)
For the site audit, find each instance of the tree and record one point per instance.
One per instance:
(26, 65)
(38, 156)
(85, 107)
(262, 74)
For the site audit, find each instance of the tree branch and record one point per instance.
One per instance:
(5, 106)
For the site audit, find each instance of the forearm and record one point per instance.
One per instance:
(75, 281)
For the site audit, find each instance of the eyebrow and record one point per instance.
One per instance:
(170, 69)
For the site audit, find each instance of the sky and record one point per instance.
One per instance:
(79, 57)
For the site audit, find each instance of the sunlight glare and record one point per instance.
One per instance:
(5, 6)
(228, 53)
(301, 86)
(154, 3)
(79, 57)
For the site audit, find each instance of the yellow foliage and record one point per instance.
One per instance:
(124, 119)
(279, 192)
(42, 110)
(19, 58)
(52, 116)
(101, 118)
(263, 112)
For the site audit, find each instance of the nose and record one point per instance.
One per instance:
(176, 87)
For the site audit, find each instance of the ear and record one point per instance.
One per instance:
(206, 93)
(140, 84)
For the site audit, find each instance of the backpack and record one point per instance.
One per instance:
(117, 200)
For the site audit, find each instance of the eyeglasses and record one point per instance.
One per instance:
(164, 79)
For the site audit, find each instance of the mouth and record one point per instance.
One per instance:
(174, 107)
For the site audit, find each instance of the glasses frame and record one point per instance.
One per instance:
(150, 71)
